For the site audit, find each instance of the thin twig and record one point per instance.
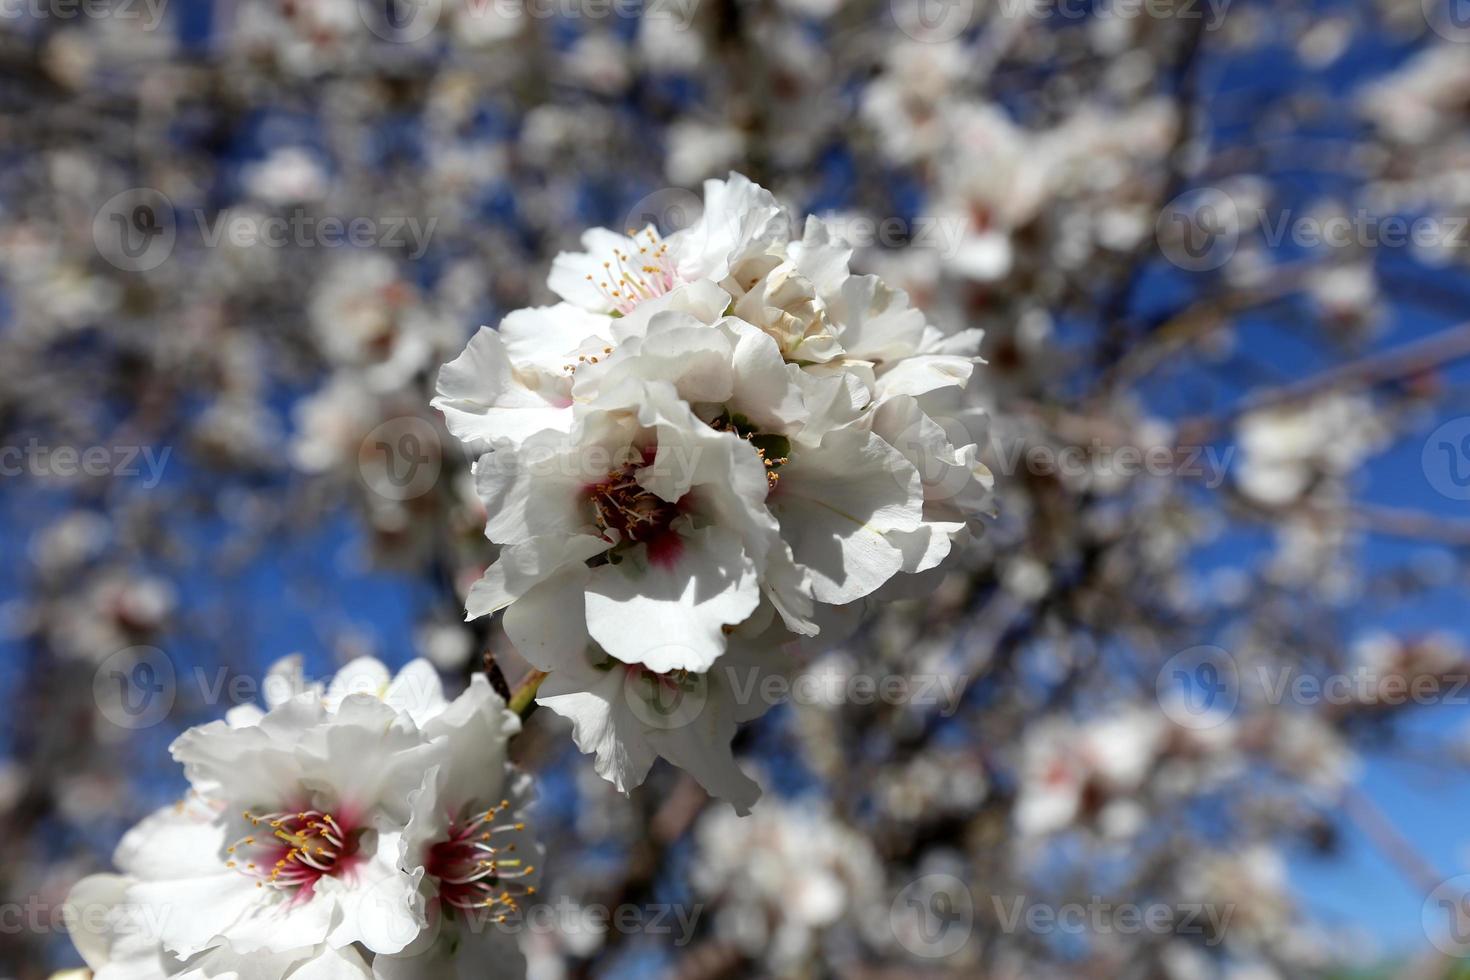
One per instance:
(1373, 369)
(1370, 819)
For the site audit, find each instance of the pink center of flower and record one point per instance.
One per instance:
(629, 279)
(639, 517)
(473, 872)
(293, 851)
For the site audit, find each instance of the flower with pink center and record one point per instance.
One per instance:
(339, 834)
(293, 851)
(118, 931)
(643, 523)
(713, 431)
(473, 871)
(312, 803)
(626, 508)
(469, 842)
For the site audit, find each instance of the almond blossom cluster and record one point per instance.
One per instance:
(712, 444)
(370, 828)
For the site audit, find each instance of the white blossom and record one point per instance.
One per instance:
(364, 827)
(710, 427)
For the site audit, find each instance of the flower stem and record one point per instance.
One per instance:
(523, 701)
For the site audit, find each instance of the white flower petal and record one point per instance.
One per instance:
(418, 691)
(875, 321)
(543, 340)
(522, 566)
(668, 610)
(377, 905)
(602, 722)
(537, 488)
(702, 299)
(837, 504)
(677, 348)
(762, 390)
(364, 675)
(196, 912)
(924, 373)
(176, 841)
(474, 953)
(821, 257)
(94, 934)
(548, 624)
(485, 399)
(740, 218)
(570, 270)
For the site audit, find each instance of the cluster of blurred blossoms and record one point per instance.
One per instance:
(367, 828)
(717, 444)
